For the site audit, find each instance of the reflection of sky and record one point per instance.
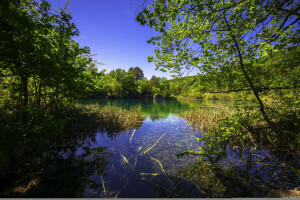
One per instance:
(168, 136)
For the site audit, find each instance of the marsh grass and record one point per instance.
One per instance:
(110, 119)
(114, 119)
(244, 130)
(23, 143)
(206, 118)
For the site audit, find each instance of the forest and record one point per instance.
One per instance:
(247, 51)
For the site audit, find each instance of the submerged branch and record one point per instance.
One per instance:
(153, 145)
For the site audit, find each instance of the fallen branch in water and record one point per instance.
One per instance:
(153, 145)
(131, 136)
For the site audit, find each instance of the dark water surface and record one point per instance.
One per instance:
(142, 162)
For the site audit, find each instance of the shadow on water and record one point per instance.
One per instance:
(59, 170)
(68, 174)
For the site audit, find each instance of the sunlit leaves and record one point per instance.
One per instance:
(198, 29)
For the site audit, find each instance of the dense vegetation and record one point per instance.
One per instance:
(246, 50)
(43, 73)
(239, 46)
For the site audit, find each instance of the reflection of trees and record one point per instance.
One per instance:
(157, 117)
(67, 174)
(64, 173)
(49, 165)
(61, 172)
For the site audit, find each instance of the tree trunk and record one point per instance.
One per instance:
(261, 105)
(24, 82)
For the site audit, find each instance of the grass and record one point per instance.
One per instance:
(114, 119)
(248, 135)
(110, 119)
(23, 143)
(206, 118)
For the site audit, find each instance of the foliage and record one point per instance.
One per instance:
(137, 73)
(200, 33)
(40, 75)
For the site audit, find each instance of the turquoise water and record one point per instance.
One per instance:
(159, 109)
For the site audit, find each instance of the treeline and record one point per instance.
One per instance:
(227, 83)
(123, 84)
(274, 76)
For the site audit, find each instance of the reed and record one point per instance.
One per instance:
(206, 118)
(110, 119)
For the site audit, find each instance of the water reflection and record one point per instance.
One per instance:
(144, 159)
(67, 174)
(159, 109)
(141, 162)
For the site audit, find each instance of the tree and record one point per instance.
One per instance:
(37, 50)
(165, 87)
(221, 35)
(137, 73)
(143, 87)
(154, 81)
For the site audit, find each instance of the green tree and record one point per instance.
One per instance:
(154, 83)
(220, 35)
(137, 73)
(165, 87)
(37, 50)
(143, 87)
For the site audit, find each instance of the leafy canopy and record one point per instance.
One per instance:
(194, 33)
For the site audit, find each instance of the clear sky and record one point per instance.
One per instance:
(109, 28)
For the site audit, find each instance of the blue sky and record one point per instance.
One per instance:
(109, 28)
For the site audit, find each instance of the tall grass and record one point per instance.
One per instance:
(23, 144)
(110, 119)
(206, 118)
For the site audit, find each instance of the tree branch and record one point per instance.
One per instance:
(258, 88)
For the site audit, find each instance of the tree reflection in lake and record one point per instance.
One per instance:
(66, 175)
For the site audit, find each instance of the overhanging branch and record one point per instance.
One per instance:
(258, 89)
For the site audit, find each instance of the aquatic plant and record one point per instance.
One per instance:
(113, 119)
(109, 119)
(206, 118)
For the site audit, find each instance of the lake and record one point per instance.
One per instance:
(142, 162)
(146, 157)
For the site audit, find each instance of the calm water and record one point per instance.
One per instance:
(144, 158)
(141, 162)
